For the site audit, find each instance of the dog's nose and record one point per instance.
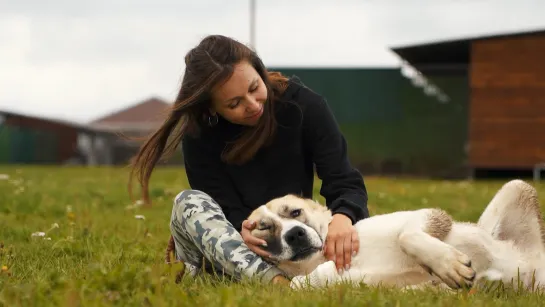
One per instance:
(295, 235)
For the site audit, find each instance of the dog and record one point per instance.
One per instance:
(412, 249)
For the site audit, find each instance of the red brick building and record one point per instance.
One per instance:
(136, 121)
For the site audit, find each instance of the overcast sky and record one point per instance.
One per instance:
(78, 60)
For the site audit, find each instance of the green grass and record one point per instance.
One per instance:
(100, 254)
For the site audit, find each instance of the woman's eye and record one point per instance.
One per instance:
(234, 105)
(295, 213)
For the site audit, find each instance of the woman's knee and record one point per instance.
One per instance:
(191, 202)
(190, 196)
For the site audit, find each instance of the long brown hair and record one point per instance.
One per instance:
(207, 65)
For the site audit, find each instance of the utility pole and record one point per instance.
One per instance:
(252, 24)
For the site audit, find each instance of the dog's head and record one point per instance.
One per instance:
(295, 229)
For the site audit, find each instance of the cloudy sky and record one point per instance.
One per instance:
(78, 60)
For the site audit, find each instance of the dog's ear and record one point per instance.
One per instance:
(314, 205)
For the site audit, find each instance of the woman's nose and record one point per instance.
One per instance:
(252, 105)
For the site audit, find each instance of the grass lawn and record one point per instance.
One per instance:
(95, 252)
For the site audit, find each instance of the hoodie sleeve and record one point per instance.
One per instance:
(343, 186)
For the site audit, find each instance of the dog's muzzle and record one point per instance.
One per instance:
(299, 242)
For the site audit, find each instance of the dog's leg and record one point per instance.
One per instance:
(514, 215)
(421, 238)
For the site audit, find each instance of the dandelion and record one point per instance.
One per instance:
(138, 203)
(38, 234)
(69, 213)
(19, 190)
(139, 217)
(4, 268)
(464, 185)
(53, 226)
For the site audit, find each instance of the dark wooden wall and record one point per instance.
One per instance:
(507, 107)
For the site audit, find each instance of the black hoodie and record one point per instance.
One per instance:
(307, 136)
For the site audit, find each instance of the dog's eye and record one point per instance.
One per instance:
(295, 213)
(263, 226)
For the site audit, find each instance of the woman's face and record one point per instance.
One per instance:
(240, 100)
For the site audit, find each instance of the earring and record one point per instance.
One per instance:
(213, 120)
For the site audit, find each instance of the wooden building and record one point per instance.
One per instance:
(506, 94)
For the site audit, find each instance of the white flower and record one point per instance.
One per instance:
(54, 225)
(38, 234)
(139, 217)
(48, 239)
(4, 176)
(136, 204)
(68, 209)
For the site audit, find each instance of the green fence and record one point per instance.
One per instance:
(392, 126)
(4, 145)
(20, 145)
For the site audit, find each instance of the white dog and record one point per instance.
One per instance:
(411, 249)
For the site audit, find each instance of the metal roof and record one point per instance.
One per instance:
(4, 114)
(449, 52)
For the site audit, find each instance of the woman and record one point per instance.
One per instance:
(249, 135)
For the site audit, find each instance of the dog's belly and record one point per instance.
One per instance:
(485, 252)
(380, 257)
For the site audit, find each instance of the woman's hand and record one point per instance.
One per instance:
(342, 242)
(252, 242)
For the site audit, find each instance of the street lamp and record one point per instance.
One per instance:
(252, 24)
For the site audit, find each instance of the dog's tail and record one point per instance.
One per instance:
(170, 254)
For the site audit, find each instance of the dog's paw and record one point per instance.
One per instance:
(324, 274)
(454, 269)
(326, 269)
(301, 282)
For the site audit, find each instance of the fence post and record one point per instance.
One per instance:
(537, 171)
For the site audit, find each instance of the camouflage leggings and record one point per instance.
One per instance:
(204, 238)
